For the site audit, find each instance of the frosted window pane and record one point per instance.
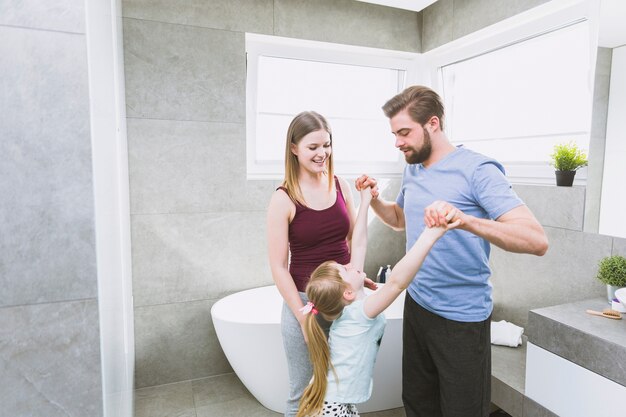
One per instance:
(353, 140)
(288, 86)
(349, 96)
(533, 150)
(363, 141)
(523, 90)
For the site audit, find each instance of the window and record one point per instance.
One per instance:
(514, 97)
(348, 85)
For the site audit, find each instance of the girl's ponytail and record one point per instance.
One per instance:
(312, 399)
(325, 290)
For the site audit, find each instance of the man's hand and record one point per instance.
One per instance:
(437, 231)
(435, 214)
(365, 181)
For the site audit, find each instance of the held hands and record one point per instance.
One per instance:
(365, 181)
(437, 214)
(436, 231)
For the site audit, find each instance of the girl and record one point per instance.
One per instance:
(343, 364)
(309, 221)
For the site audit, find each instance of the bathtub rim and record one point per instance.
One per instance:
(267, 310)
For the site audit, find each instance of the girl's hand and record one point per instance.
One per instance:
(449, 223)
(436, 214)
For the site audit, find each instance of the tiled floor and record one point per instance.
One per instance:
(220, 396)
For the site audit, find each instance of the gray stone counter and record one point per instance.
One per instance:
(595, 343)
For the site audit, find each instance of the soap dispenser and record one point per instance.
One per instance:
(387, 272)
(383, 274)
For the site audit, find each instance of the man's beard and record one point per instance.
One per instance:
(417, 156)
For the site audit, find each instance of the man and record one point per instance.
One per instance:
(446, 361)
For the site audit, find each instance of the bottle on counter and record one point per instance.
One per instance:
(383, 273)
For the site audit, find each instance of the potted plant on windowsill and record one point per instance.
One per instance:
(566, 159)
(612, 272)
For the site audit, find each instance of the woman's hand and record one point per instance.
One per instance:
(368, 283)
(365, 181)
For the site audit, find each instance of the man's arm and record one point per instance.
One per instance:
(515, 231)
(389, 212)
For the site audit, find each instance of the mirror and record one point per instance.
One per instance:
(605, 197)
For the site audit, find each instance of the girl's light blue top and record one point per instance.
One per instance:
(354, 340)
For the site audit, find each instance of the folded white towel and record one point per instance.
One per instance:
(506, 334)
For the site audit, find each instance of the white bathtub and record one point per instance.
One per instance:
(247, 324)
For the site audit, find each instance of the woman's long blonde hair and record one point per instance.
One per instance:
(301, 125)
(325, 290)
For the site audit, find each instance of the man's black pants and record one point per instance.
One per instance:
(446, 365)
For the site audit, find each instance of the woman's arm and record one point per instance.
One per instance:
(405, 270)
(281, 209)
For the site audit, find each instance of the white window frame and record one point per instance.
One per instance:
(534, 22)
(274, 46)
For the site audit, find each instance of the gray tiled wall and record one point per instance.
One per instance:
(447, 20)
(49, 360)
(60, 15)
(176, 341)
(49, 328)
(198, 226)
(179, 72)
(566, 272)
(197, 256)
(165, 154)
(45, 177)
(349, 22)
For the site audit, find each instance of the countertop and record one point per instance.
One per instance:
(595, 343)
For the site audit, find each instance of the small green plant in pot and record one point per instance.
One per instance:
(612, 272)
(566, 159)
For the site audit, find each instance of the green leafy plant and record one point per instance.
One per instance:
(612, 271)
(568, 157)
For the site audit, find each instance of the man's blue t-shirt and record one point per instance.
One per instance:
(453, 281)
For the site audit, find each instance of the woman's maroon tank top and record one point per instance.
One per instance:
(317, 236)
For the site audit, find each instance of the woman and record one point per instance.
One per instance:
(310, 220)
